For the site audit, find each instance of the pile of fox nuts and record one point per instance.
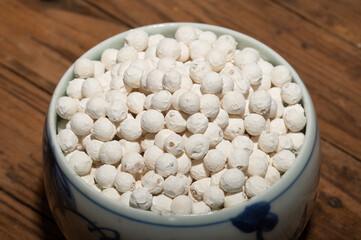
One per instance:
(183, 125)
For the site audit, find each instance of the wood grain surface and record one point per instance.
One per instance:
(40, 39)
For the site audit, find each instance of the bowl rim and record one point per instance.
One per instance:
(200, 220)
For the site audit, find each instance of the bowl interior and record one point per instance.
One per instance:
(271, 194)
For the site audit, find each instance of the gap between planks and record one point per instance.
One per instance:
(302, 14)
(27, 205)
(341, 149)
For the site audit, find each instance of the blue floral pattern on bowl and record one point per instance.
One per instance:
(256, 217)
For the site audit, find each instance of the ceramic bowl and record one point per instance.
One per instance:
(281, 212)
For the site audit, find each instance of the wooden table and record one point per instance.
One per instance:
(39, 40)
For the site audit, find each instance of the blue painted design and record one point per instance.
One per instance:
(256, 218)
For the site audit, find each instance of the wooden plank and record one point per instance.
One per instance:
(341, 171)
(329, 67)
(20, 146)
(333, 218)
(23, 107)
(42, 53)
(145, 12)
(24, 207)
(23, 89)
(337, 210)
(341, 18)
(80, 16)
(19, 222)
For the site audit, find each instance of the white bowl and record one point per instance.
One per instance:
(281, 212)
